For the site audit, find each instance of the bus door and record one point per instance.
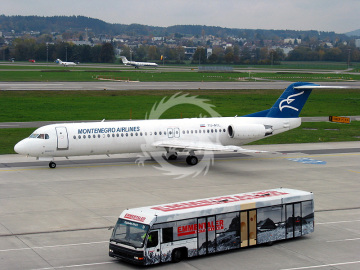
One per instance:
(152, 250)
(62, 138)
(248, 228)
(293, 220)
(206, 235)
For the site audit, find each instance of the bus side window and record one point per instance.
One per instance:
(153, 239)
(167, 234)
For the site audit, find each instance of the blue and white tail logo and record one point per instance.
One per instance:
(288, 101)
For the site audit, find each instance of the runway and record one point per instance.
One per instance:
(108, 85)
(59, 219)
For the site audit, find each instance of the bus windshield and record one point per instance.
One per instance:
(130, 233)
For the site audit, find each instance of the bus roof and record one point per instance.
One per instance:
(214, 205)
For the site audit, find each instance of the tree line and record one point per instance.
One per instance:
(25, 49)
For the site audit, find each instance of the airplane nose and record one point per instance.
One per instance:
(20, 148)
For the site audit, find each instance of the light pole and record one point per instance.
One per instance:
(47, 53)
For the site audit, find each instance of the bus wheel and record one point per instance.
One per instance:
(177, 255)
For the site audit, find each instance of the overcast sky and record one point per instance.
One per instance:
(324, 15)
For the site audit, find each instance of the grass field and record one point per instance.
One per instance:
(160, 76)
(80, 73)
(22, 106)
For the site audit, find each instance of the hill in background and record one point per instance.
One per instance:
(62, 24)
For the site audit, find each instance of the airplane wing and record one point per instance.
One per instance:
(188, 146)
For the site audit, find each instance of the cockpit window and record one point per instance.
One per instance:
(39, 136)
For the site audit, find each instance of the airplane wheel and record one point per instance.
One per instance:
(192, 160)
(52, 165)
(172, 156)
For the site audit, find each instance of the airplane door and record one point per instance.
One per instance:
(62, 138)
(170, 132)
(176, 132)
(173, 132)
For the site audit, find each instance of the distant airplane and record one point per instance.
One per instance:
(137, 64)
(172, 136)
(65, 64)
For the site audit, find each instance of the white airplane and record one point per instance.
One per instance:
(137, 64)
(172, 136)
(65, 64)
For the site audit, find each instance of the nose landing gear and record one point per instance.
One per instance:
(52, 165)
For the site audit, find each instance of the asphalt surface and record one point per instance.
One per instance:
(59, 218)
(113, 85)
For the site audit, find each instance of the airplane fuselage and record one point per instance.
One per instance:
(96, 138)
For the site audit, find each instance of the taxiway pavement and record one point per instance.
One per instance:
(113, 85)
(59, 218)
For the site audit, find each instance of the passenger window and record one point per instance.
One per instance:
(79, 136)
(84, 136)
(160, 133)
(74, 137)
(167, 235)
(113, 135)
(117, 134)
(94, 136)
(89, 136)
(99, 136)
(108, 135)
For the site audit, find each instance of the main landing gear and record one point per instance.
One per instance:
(52, 165)
(192, 159)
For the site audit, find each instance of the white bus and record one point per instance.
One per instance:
(171, 232)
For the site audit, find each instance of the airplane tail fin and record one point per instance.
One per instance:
(291, 102)
(58, 61)
(124, 60)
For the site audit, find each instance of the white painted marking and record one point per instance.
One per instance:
(323, 265)
(72, 266)
(44, 247)
(335, 222)
(351, 239)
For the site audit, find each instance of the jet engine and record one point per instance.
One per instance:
(249, 131)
